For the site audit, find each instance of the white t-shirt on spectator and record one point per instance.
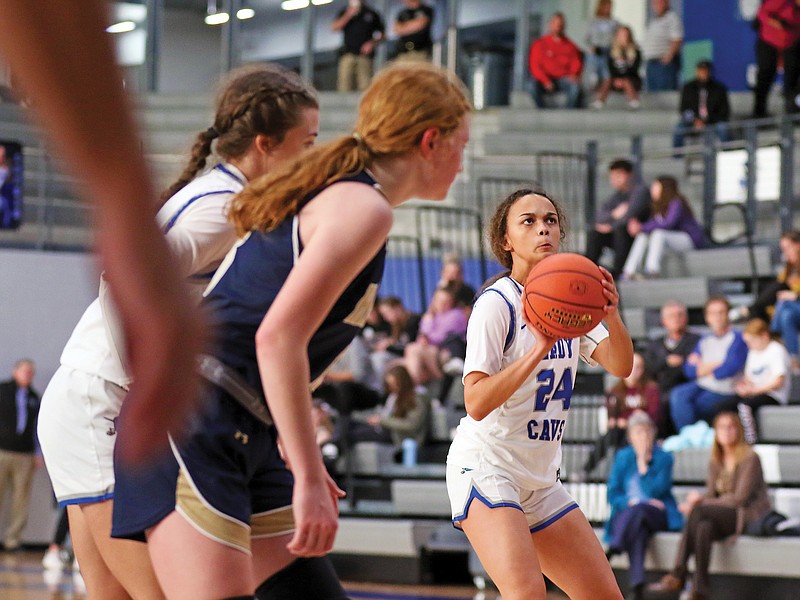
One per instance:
(765, 366)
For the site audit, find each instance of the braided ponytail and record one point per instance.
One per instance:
(254, 100)
(197, 162)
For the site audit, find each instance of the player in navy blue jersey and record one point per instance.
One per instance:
(223, 514)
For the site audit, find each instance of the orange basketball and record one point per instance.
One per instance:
(564, 295)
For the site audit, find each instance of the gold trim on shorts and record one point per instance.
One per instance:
(272, 523)
(211, 522)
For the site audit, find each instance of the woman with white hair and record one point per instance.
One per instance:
(640, 495)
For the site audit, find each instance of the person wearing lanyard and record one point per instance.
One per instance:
(704, 103)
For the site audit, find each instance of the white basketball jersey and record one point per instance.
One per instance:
(522, 437)
(199, 235)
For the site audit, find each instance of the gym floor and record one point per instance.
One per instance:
(23, 578)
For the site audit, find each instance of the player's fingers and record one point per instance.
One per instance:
(606, 273)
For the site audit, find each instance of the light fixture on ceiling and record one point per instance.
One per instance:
(294, 4)
(245, 13)
(297, 4)
(213, 16)
(121, 27)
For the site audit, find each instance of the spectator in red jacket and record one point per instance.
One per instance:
(778, 35)
(556, 64)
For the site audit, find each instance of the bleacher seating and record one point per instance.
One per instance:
(653, 293)
(718, 263)
(416, 515)
(779, 424)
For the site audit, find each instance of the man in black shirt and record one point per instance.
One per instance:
(630, 200)
(413, 27)
(704, 102)
(363, 30)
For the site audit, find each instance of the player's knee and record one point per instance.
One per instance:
(307, 578)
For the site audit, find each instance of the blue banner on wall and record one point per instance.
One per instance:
(727, 24)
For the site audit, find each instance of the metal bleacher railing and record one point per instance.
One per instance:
(754, 169)
(569, 177)
(414, 260)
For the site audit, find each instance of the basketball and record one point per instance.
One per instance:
(564, 295)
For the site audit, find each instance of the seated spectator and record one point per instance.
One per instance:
(633, 393)
(442, 336)
(641, 500)
(670, 228)
(324, 428)
(735, 496)
(786, 323)
(403, 328)
(713, 367)
(664, 359)
(556, 64)
(624, 61)
(767, 377)
(661, 48)
(351, 383)
(599, 35)
(630, 200)
(453, 274)
(704, 103)
(376, 327)
(403, 325)
(788, 280)
(403, 415)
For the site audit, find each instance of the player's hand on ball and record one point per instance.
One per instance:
(610, 291)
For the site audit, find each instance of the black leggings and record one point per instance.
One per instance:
(767, 61)
(705, 525)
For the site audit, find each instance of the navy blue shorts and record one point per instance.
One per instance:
(226, 477)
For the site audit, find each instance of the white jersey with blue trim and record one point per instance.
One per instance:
(195, 224)
(522, 437)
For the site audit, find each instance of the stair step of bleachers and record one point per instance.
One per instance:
(523, 143)
(616, 122)
(741, 103)
(635, 320)
(419, 497)
(789, 463)
(653, 293)
(583, 424)
(691, 465)
(573, 459)
(779, 424)
(718, 263)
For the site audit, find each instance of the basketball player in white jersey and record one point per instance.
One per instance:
(264, 116)
(503, 465)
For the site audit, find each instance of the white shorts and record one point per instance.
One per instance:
(77, 432)
(540, 507)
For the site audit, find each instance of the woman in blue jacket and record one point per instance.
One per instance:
(640, 495)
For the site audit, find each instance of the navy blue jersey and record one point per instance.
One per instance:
(252, 275)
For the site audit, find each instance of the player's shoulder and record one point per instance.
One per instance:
(214, 183)
(504, 289)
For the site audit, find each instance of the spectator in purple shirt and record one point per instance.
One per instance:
(670, 228)
(442, 335)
